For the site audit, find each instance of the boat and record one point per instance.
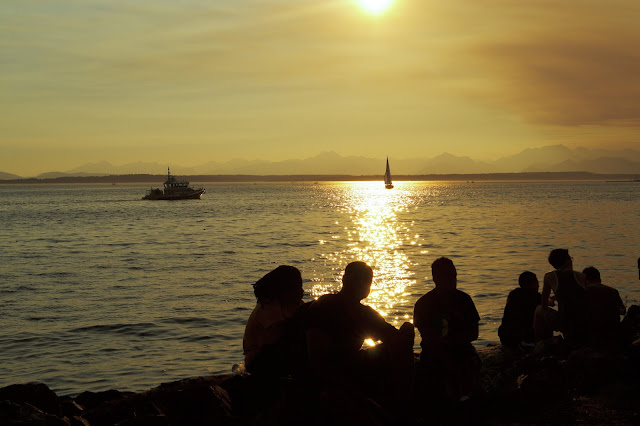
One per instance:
(387, 177)
(174, 189)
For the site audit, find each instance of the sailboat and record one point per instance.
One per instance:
(387, 177)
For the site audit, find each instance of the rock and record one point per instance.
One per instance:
(589, 368)
(496, 373)
(90, 399)
(543, 381)
(14, 414)
(120, 410)
(552, 347)
(157, 420)
(194, 405)
(514, 387)
(69, 407)
(77, 421)
(37, 394)
(251, 395)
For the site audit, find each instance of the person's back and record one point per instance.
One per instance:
(448, 322)
(446, 314)
(344, 325)
(568, 287)
(338, 324)
(517, 321)
(272, 342)
(604, 306)
(572, 306)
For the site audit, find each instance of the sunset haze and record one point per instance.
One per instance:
(197, 81)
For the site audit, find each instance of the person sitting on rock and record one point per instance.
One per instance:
(337, 326)
(448, 322)
(274, 341)
(568, 287)
(605, 307)
(516, 330)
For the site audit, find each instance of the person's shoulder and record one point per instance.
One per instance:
(462, 295)
(303, 309)
(515, 292)
(608, 289)
(426, 297)
(582, 278)
(325, 298)
(319, 304)
(368, 312)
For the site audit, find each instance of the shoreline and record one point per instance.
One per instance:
(453, 177)
(547, 386)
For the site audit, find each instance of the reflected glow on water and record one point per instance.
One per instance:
(92, 275)
(376, 236)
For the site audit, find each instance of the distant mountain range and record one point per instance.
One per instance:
(553, 158)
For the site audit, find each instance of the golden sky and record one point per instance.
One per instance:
(191, 81)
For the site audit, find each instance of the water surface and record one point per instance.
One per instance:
(103, 290)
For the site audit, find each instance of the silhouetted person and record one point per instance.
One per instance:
(568, 287)
(448, 322)
(337, 326)
(516, 329)
(273, 342)
(605, 307)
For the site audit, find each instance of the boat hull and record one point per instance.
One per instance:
(194, 195)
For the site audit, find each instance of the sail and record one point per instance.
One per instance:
(387, 177)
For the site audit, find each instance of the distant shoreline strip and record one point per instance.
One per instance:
(146, 178)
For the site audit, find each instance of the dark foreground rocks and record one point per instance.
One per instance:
(550, 385)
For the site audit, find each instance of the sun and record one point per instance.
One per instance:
(375, 7)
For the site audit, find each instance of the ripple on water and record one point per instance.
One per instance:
(183, 312)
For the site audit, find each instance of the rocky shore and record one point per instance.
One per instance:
(550, 385)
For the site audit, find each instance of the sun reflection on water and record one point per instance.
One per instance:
(376, 236)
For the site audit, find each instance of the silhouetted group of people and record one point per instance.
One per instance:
(588, 312)
(322, 343)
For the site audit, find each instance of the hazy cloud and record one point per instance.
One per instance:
(282, 78)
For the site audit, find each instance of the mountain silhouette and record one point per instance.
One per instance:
(552, 158)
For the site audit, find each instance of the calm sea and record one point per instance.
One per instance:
(100, 289)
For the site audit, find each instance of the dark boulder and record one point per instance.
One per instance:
(589, 369)
(14, 414)
(201, 404)
(37, 394)
(89, 400)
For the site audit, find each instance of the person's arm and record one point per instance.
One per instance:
(546, 289)
(468, 335)
(422, 322)
(622, 309)
(377, 327)
(469, 331)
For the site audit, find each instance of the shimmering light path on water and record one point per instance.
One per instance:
(103, 290)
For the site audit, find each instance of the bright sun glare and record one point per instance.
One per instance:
(375, 7)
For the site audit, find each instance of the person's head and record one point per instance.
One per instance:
(283, 284)
(444, 273)
(528, 281)
(559, 258)
(357, 279)
(592, 275)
